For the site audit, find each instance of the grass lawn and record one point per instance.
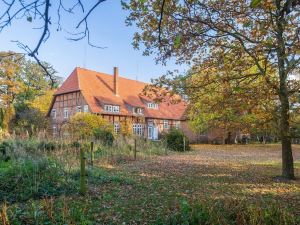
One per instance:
(140, 192)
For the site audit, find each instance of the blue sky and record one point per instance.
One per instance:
(107, 26)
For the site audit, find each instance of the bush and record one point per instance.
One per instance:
(5, 148)
(82, 125)
(105, 136)
(177, 141)
(47, 145)
(24, 180)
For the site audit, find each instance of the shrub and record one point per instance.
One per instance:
(47, 145)
(105, 136)
(23, 180)
(82, 125)
(176, 141)
(5, 148)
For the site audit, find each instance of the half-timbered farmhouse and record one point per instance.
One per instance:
(117, 99)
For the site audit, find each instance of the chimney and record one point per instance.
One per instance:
(116, 81)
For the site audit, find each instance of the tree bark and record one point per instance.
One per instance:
(286, 145)
(287, 155)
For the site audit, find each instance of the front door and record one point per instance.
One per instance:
(155, 133)
(150, 131)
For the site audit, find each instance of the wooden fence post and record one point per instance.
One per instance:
(134, 149)
(82, 173)
(184, 144)
(92, 153)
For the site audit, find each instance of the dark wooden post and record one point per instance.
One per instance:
(83, 182)
(92, 153)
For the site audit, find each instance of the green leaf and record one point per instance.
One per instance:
(177, 41)
(237, 89)
(255, 3)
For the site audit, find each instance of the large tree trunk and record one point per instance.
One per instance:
(283, 92)
(287, 155)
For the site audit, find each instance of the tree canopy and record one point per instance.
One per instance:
(199, 32)
(25, 92)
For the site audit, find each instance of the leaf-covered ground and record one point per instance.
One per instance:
(139, 192)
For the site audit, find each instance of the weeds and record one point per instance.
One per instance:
(239, 213)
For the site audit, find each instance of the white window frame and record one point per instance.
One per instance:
(140, 111)
(116, 109)
(108, 108)
(152, 105)
(137, 110)
(166, 124)
(78, 108)
(138, 129)
(85, 108)
(53, 114)
(112, 108)
(117, 128)
(66, 113)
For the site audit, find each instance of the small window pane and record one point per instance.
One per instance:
(85, 108)
(166, 124)
(117, 128)
(66, 113)
(53, 113)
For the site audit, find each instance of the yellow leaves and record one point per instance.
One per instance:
(83, 124)
(42, 102)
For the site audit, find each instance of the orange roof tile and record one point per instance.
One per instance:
(97, 89)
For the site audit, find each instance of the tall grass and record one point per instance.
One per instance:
(229, 213)
(124, 149)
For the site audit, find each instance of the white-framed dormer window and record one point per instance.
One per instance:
(53, 114)
(85, 108)
(138, 110)
(116, 128)
(177, 125)
(166, 124)
(152, 105)
(78, 108)
(66, 113)
(112, 108)
(116, 109)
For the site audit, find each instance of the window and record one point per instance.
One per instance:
(112, 108)
(78, 108)
(177, 124)
(138, 129)
(116, 109)
(137, 110)
(117, 128)
(152, 105)
(108, 108)
(166, 124)
(53, 114)
(85, 108)
(66, 113)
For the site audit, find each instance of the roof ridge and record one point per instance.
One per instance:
(142, 82)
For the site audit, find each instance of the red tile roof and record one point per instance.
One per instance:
(97, 89)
